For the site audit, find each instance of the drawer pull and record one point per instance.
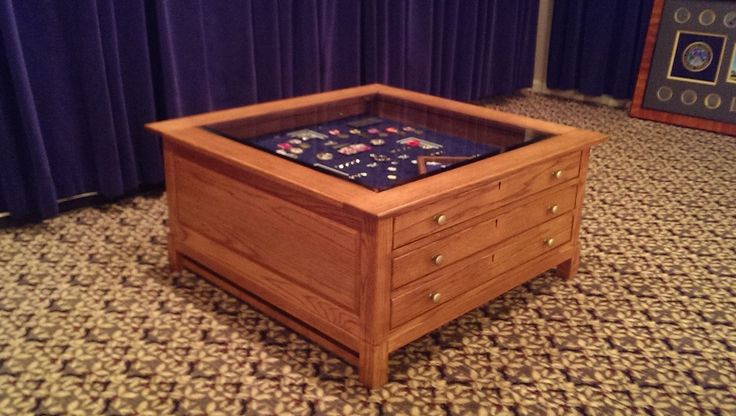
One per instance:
(557, 174)
(440, 219)
(438, 259)
(549, 242)
(554, 209)
(435, 296)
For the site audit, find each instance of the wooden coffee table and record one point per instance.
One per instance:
(364, 257)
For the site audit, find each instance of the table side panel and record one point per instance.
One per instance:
(262, 172)
(312, 251)
(305, 305)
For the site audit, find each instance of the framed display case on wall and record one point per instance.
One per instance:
(688, 69)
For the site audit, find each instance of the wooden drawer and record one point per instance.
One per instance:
(421, 222)
(443, 253)
(416, 298)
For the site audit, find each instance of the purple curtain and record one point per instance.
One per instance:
(596, 46)
(79, 79)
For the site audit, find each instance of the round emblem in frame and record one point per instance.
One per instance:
(707, 17)
(689, 97)
(712, 101)
(682, 15)
(664, 94)
(729, 20)
(697, 56)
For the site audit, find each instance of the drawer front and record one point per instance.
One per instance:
(443, 253)
(443, 214)
(419, 297)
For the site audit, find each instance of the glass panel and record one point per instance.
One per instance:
(377, 141)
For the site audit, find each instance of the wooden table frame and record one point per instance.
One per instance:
(354, 325)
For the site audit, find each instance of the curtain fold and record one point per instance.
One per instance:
(80, 79)
(25, 177)
(462, 49)
(596, 46)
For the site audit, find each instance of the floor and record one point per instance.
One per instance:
(92, 322)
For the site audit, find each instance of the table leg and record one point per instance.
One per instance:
(373, 367)
(569, 268)
(175, 263)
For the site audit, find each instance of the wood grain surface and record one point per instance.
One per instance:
(352, 269)
(466, 275)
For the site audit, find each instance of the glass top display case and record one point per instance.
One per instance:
(367, 217)
(377, 141)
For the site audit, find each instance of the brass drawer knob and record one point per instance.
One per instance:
(440, 219)
(554, 209)
(557, 174)
(549, 242)
(438, 259)
(435, 296)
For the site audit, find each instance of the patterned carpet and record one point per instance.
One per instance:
(91, 321)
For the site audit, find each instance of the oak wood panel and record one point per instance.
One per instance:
(434, 318)
(522, 249)
(175, 261)
(268, 309)
(375, 298)
(376, 279)
(315, 230)
(416, 194)
(541, 176)
(326, 316)
(313, 190)
(569, 269)
(643, 77)
(414, 299)
(374, 365)
(524, 216)
(421, 221)
(462, 243)
(317, 253)
(419, 262)
(551, 195)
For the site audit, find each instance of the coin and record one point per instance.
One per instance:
(391, 177)
(378, 142)
(296, 150)
(324, 156)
